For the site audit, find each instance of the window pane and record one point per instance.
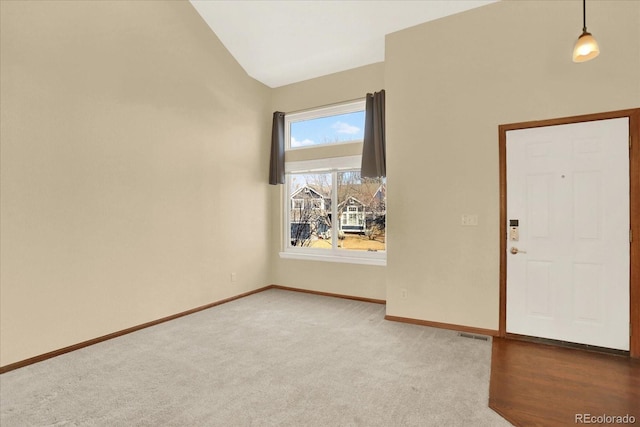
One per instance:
(362, 212)
(310, 216)
(328, 130)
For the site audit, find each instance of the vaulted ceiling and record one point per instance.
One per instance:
(283, 42)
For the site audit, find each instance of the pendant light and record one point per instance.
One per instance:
(586, 47)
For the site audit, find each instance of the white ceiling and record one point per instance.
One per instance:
(286, 41)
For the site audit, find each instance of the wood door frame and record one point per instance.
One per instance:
(634, 213)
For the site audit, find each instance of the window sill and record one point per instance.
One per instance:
(379, 261)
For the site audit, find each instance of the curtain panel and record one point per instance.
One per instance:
(276, 165)
(374, 157)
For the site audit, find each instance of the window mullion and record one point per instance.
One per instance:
(334, 211)
(288, 203)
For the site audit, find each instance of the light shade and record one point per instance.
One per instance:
(586, 48)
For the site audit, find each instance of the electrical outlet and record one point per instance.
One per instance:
(234, 277)
(403, 293)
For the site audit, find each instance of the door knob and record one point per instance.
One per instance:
(515, 250)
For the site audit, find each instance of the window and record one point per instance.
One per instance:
(331, 212)
(337, 124)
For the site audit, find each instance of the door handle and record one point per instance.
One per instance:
(515, 251)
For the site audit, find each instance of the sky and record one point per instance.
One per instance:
(327, 130)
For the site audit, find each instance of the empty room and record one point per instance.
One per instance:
(319, 213)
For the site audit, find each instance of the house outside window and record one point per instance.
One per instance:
(331, 212)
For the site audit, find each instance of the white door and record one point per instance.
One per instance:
(568, 188)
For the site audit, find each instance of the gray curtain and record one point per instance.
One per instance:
(276, 166)
(374, 157)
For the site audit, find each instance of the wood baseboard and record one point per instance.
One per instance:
(51, 354)
(329, 294)
(460, 328)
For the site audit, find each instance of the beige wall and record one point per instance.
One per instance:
(134, 148)
(450, 83)
(347, 279)
(133, 170)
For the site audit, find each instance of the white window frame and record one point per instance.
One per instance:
(317, 113)
(324, 165)
(335, 254)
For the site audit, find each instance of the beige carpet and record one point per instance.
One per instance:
(276, 358)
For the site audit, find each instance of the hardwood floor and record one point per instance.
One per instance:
(542, 385)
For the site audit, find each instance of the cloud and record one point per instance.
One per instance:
(303, 143)
(342, 127)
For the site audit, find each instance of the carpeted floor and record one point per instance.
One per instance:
(276, 358)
